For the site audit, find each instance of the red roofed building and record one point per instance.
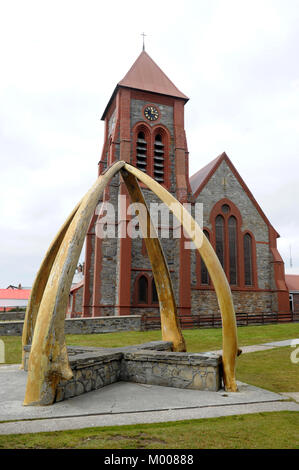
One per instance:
(144, 125)
(75, 300)
(13, 297)
(292, 281)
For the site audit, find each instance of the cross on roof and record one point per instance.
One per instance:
(142, 34)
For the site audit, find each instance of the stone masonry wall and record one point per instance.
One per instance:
(109, 258)
(90, 372)
(150, 363)
(296, 303)
(77, 326)
(261, 300)
(204, 302)
(11, 328)
(102, 324)
(169, 369)
(170, 246)
(10, 316)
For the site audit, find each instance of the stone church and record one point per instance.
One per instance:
(144, 125)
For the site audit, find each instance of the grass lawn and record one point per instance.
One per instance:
(271, 369)
(197, 340)
(276, 430)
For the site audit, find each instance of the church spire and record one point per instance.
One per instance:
(146, 75)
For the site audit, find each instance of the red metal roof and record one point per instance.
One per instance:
(18, 294)
(146, 75)
(292, 281)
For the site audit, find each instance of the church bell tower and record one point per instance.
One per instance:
(144, 126)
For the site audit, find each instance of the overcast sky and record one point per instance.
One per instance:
(60, 61)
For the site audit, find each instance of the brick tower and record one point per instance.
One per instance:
(144, 125)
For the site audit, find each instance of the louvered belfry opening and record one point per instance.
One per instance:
(159, 159)
(141, 152)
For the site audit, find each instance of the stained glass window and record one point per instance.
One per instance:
(220, 238)
(232, 241)
(248, 259)
(142, 290)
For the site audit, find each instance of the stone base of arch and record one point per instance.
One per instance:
(151, 363)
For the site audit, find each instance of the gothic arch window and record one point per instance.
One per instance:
(247, 244)
(235, 249)
(220, 239)
(226, 228)
(145, 292)
(226, 245)
(141, 151)
(232, 242)
(142, 290)
(204, 275)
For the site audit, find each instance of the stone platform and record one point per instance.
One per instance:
(126, 403)
(123, 403)
(151, 363)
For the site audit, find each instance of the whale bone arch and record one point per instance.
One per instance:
(45, 314)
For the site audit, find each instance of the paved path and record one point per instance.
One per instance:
(129, 403)
(159, 416)
(265, 346)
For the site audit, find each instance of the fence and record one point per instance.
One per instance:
(245, 319)
(213, 320)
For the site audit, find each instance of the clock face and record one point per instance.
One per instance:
(151, 113)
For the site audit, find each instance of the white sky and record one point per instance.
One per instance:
(60, 61)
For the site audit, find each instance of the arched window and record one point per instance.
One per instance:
(142, 290)
(145, 291)
(141, 152)
(154, 292)
(248, 260)
(235, 249)
(159, 159)
(219, 235)
(204, 275)
(232, 241)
